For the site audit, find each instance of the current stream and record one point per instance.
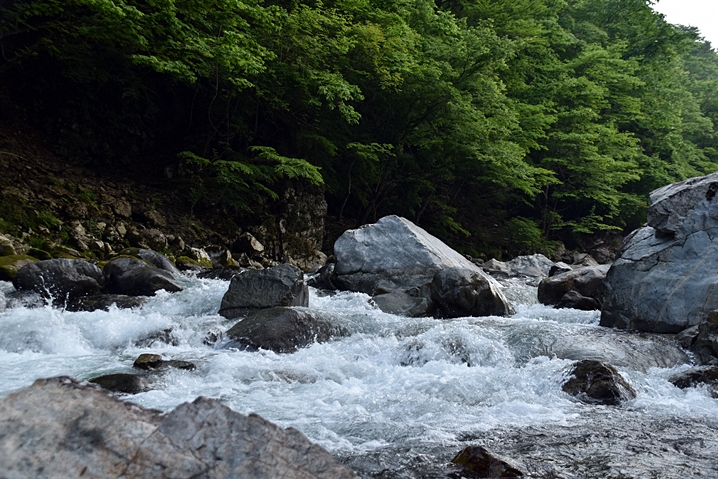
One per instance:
(400, 396)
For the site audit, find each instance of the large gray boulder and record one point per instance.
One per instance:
(60, 279)
(395, 255)
(135, 277)
(665, 279)
(58, 428)
(251, 290)
(284, 330)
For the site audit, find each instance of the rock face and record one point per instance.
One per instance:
(664, 280)
(595, 382)
(459, 292)
(394, 255)
(586, 281)
(284, 330)
(134, 277)
(60, 428)
(60, 279)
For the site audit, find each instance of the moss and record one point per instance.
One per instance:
(39, 253)
(9, 265)
(187, 260)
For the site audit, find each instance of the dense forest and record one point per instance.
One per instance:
(498, 125)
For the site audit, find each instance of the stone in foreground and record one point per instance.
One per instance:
(479, 462)
(665, 279)
(58, 428)
(595, 382)
(251, 290)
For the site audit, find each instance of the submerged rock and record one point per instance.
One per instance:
(251, 290)
(60, 428)
(104, 302)
(60, 279)
(479, 462)
(148, 361)
(135, 277)
(665, 279)
(121, 383)
(284, 330)
(695, 376)
(595, 382)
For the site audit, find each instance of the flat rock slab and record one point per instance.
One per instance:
(59, 428)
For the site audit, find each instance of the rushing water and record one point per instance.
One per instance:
(400, 396)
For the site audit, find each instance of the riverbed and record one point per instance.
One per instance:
(400, 396)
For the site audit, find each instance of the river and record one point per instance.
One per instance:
(400, 396)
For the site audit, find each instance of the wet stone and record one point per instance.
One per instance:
(595, 382)
(121, 383)
(479, 462)
(148, 361)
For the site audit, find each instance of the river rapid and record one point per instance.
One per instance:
(400, 396)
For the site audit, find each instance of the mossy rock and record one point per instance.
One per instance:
(7, 249)
(39, 253)
(10, 265)
(59, 252)
(182, 260)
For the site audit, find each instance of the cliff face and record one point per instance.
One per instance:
(47, 199)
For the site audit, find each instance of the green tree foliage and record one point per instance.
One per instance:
(496, 124)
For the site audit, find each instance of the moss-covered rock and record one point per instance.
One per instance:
(39, 253)
(10, 265)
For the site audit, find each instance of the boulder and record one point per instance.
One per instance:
(247, 243)
(586, 281)
(404, 304)
(695, 376)
(702, 340)
(664, 280)
(60, 279)
(479, 462)
(595, 382)
(156, 259)
(533, 266)
(559, 268)
(135, 277)
(460, 292)
(221, 257)
(250, 290)
(394, 255)
(284, 330)
(60, 428)
(496, 268)
(575, 300)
